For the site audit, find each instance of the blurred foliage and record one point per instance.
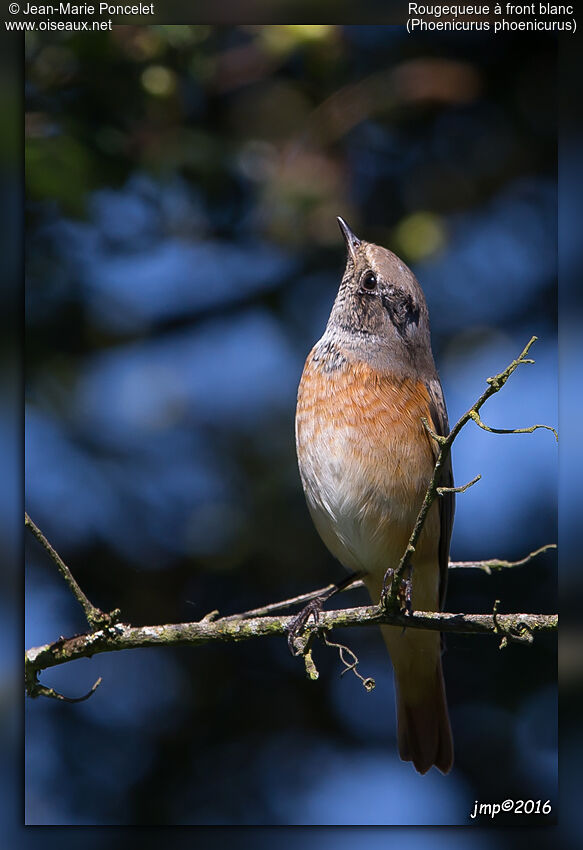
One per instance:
(182, 255)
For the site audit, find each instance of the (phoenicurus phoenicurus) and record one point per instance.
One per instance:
(366, 459)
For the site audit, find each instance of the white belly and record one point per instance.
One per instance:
(359, 510)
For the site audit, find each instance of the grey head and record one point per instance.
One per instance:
(380, 312)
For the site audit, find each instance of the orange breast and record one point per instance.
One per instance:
(365, 462)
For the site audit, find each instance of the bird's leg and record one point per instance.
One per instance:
(313, 608)
(408, 593)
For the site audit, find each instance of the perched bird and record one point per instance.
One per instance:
(366, 459)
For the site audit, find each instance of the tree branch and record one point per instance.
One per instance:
(113, 637)
(518, 627)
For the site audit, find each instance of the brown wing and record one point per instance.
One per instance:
(447, 501)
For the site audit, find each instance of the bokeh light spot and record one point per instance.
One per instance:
(158, 80)
(420, 235)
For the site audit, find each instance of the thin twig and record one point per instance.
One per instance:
(477, 419)
(42, 690)
(368, 682)
(393, 579)
(497, 563)
(94, 616)
(487, 567)
(462, 489)
(286, 603)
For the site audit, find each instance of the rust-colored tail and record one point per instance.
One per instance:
(423, 728)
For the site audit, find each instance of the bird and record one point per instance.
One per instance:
(366, 459)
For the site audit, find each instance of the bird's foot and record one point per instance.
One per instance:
(314, 609)
(298, 624)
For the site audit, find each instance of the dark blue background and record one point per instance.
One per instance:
(182, 256)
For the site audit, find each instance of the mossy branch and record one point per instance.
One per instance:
(517, 627)
(256, 623)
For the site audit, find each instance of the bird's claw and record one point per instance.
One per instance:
(297, 625)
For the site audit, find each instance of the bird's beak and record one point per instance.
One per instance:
(352, 242)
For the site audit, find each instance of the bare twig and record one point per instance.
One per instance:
(38, 690)
(462, 489)
(392, 582)
(486, 566)
(94, 616)
(368, 682)
(497, 563)
(287, 603)
(476, 417)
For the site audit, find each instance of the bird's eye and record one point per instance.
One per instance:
(369, 281)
